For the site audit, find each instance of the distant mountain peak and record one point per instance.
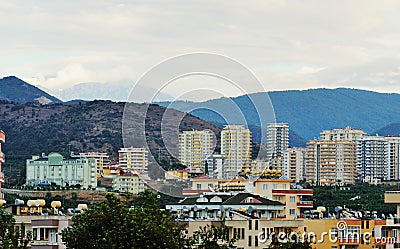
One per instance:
(16, 90)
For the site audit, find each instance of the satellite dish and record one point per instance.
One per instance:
(221, 208)
(195, 208)
(206, 209)
(338, 209)
(250, 209)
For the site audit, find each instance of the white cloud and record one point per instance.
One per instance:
(60, 43)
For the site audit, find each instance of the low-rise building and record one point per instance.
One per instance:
(54, 168)
(128, 183)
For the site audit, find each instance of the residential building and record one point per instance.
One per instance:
(331, 162)
(46, 230)
(134, 159)
(393, 158)
(372, 159)
(194, 147)
(215, 206)
(102, 160)
(54, 168)
(2, 159)
(277, 140)
(342, 134)
(236, 149)
(274, 189)
(294, 164)
(213, 166)
(128, 183)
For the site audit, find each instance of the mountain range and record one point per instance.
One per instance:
(308, 112)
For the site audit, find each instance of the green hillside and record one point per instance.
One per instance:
(32, 129)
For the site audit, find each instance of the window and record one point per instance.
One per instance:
(242, 233)
(256, 241)
(250, 224)
(292, 199)
(265, 186)
(292, 211)
(198, 186)
(284, 186)
(256, 225)
(274, 186)
(34, 234)
(249, 240)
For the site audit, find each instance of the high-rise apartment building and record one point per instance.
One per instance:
(340, 134)
(236, 149)
(102, 159)
(294, 164)
(133, 159)
(372, 158)
(277, 140)
(331, 162)
(2, 140)
(393, 155)
(194, 147)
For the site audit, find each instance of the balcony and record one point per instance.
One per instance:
(392, 197)
(292, 191)
(308, 204)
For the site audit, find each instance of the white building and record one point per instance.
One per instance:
(342, 134)
(133, 159)
(372, 158)
(236, 149)
(54, 168)
(393, 158)
(213, 166)
(277, 140)
(194, 147)
(294, 164)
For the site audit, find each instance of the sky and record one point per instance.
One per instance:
(287, 44)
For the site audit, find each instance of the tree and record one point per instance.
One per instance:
(213, 237)
(11, 238)
(112, 224)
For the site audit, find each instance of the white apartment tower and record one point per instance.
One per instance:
(277, 140)
(134, 159)
(236, 149)
(294, 164)
(342, 134)
(393, 158)
(194, 147)
(372, 158)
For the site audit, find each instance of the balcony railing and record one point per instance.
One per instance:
(305, 204)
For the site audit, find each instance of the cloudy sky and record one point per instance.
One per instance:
(287, 44)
